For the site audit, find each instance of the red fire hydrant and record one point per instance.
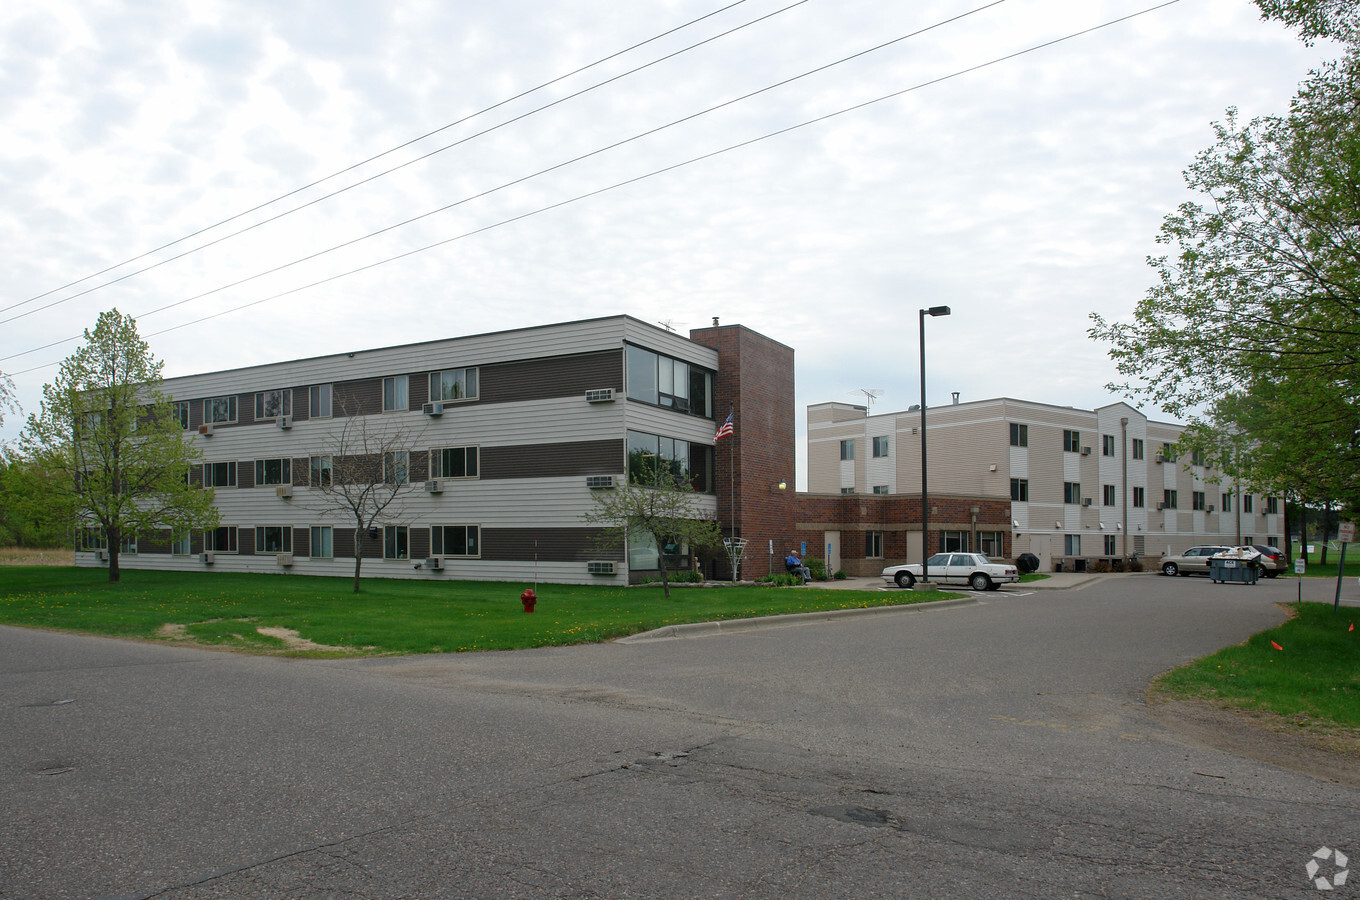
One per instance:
(528, 598)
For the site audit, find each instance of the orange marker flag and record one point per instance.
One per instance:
(1352, 628)
(1276, 646)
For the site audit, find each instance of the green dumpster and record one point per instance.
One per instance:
(1240, 571)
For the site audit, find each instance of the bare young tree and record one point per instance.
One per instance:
(363, 472)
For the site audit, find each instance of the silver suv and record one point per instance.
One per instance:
(1193, 561)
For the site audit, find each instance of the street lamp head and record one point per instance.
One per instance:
(936, 311)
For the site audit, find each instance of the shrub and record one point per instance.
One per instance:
(1102, 566)
(1135, 565)
(780, 579)
(840, 575)
(674, 578)
(816, 567)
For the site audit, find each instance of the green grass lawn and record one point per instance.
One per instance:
(1306, 669)
(1319, 569)
(388, 616)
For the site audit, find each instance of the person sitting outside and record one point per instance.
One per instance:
(796, 567)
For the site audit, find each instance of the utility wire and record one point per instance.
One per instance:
(409, 162)
(561, 165)
(630, 181)
(360, 164)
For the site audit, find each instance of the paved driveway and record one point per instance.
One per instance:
(1000, 748)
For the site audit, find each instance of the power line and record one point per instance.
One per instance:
(630, 181)
(360, 164)
(561, 165)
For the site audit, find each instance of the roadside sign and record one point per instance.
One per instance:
(1300, 565)
(1346, 532)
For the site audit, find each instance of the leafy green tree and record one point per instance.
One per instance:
(108, 437)
(661, 508)
(1260, 300)
(31, 515)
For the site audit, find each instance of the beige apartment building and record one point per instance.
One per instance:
(1082, 484)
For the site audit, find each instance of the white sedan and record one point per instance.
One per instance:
(972, 569)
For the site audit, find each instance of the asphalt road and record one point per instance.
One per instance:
(998, 749)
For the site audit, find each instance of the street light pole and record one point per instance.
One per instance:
(925, 494)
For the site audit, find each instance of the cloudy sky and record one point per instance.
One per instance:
(1024, 194)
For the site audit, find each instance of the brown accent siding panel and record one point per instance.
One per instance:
(554, 460)
(356, 398)
(157, 542)
(245, 540)
(420, 466)
(342, 543)
(419, 543)
(554, 544)
(302, 538)
(555, 376)
(245, 473)
(302, 470)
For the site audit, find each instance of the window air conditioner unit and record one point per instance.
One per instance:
(284, 490)
(434, 487)
(205, 558)
(433, 408)
(1085, 451)
(599, 481)
(284, 559)
(285, 422)
(600, 567)
(1086, 501)
(1211, 507)
(206, 429)
(435, 563)
(1159, 459)
(1161, 506)
(600, 395)
(103, 555)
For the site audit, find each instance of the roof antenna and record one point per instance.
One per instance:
(870, 395)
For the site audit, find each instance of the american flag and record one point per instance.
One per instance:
(725, 430)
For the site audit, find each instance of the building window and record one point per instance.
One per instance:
(273, 404)
(319, 401)
(880, 447)
(1139, 497)
(1247, 504)
(672, 383)
(1137, 448)
(396, 544)
(1107, 445)
(273, 539)
(1072, 492)
(1167, 455)
(1107, 494)
(219, 474)
(1168, 499)
(179, 411)
(322, 543)
(873, 545)
(650, 454)
(320, 471)
(1020, 490)
(220, 540)
(1019, 435)
(1072, 545)
(848, 449)
(397, 467)
(91, 538)
(848, 490)
(1197, 458)
(455, 462)
(219, 410)
(1110, 542)
(394, 394)
(179, 546)
(1272, 505)
(454, 384)
(881, 489)
(992, 543)
(954, 542)
(1197, 500)
(1071, 441)
(1273, 540)
(1227, 503)
(461, 540)
(128, 545)
(273, 471)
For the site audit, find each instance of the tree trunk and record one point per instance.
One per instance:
(1323, 531)
(661, 564)
(358, 554)
(115, 541)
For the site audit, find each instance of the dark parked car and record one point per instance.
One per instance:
(1272, 560)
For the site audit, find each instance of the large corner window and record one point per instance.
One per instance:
(668, 382)
(651, 454)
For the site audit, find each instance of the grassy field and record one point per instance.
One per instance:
(28, 556)
(389, 616)
(1307, 669)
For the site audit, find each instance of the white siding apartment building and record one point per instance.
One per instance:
(1082, 484)
(506, 436)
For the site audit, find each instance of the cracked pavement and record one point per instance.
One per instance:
(1001, 748)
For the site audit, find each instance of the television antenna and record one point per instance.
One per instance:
(669, 324)
(870, 395)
